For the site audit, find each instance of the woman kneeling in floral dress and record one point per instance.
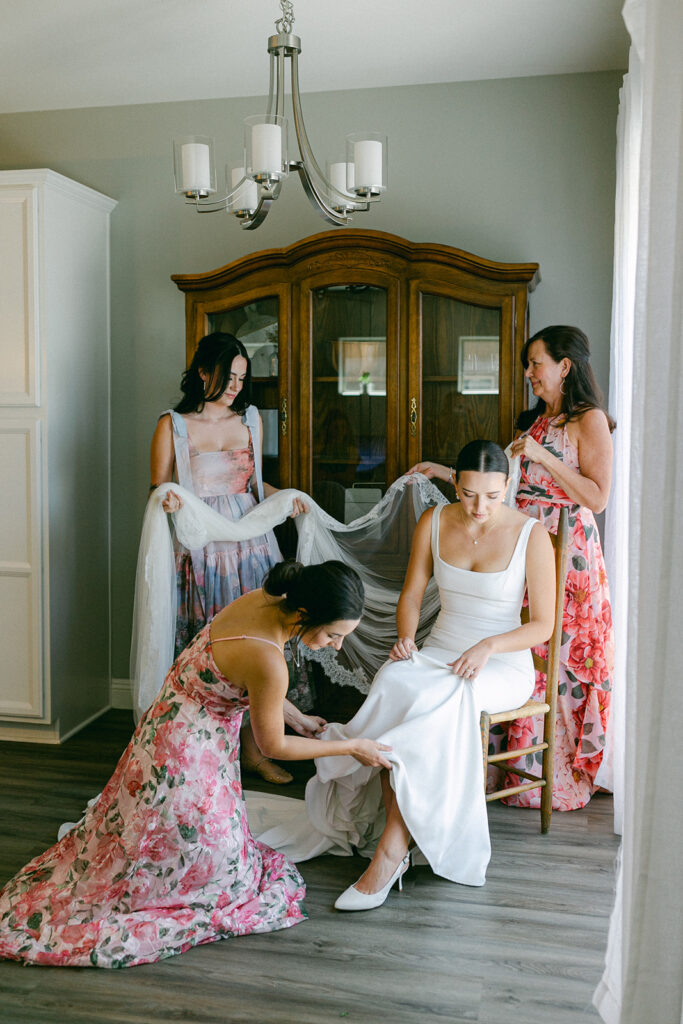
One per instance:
(165, 860)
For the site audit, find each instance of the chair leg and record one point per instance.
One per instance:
(484, 725)
(549, 776)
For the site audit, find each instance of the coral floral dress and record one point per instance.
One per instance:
(164, 860)
(587, 654)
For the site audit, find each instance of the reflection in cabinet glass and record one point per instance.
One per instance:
(460, 369)
(349, 398)
(256, 326)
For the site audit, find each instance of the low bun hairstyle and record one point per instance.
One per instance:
(482, 457)
(215, 355)
(320, 593)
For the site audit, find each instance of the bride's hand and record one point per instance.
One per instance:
(472, 661)
(403, 649)
(308, 725)
(369, 752)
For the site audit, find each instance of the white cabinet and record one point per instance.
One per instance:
(54, 455)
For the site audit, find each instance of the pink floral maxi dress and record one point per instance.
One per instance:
(587, 655)
(165, 859)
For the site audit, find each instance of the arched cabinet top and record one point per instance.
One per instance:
(362, 248)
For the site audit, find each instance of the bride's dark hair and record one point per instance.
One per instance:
(215, 354)
(321, 593)
(482, 457)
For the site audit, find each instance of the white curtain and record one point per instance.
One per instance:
(643, 978)
(629, 127)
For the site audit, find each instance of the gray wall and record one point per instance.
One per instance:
(513, 170)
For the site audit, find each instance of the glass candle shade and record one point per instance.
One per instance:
(338, 176)
(265, 144)
(367, 152)
(194, 165)
(245, 199)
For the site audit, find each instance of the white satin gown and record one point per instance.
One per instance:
(430, 718)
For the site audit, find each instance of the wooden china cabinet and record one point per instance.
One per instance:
(369, 353)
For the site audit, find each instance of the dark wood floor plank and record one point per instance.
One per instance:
(526, 946)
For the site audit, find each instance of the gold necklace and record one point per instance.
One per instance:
(487, 528)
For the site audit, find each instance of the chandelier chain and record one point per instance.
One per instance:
(285, 23)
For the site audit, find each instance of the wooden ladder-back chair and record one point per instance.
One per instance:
(547, 708)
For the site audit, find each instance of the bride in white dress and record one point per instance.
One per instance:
(425, 705)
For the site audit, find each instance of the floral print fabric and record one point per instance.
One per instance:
(164, 860)
(587, 654)
(209, 580)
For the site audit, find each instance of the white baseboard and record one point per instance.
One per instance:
(121, 693)
(25, 732)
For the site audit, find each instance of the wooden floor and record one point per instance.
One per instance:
(528, 946)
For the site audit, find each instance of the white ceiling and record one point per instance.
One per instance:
(83, 53)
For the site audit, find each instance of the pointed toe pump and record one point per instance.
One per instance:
(354, 899)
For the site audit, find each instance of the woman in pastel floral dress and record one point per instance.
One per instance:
(212, 440)
(165, 860)
(565, 455)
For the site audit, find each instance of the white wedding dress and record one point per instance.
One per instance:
(430, 718)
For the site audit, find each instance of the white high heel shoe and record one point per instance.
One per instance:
(354, 899)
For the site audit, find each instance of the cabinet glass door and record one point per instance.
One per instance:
(349, 403)
(461, 360)
(256, 325)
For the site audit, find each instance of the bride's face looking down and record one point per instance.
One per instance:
(329, 635)
(481, 494)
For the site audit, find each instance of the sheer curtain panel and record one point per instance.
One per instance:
(643, 979)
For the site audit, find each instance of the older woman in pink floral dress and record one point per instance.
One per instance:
(566, 460)
(565, 455)
(164, 859)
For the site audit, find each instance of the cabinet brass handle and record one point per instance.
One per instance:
(283, 416)
(413, 416)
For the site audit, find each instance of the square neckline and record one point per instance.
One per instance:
(218, 451)
(478, 572)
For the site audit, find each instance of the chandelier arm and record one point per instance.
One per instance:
(318, 200)
(311, 164)
(258, 216)
(280, 96)
(269, 108)
(215, 205)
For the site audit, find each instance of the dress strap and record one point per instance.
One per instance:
(250, 418)
(436, 517)
(181, 450)
(245, 636)
(523, 540)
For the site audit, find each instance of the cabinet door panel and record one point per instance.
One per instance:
(350, 413)
(18, 297)
(458, 371)
(21, 651)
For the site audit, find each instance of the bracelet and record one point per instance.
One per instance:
(451, 475)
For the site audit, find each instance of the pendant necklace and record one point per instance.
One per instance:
(487, 529)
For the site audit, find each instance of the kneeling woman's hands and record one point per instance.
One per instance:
(370, 753)
(403, 649)
(308, 725)
(472, 661)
